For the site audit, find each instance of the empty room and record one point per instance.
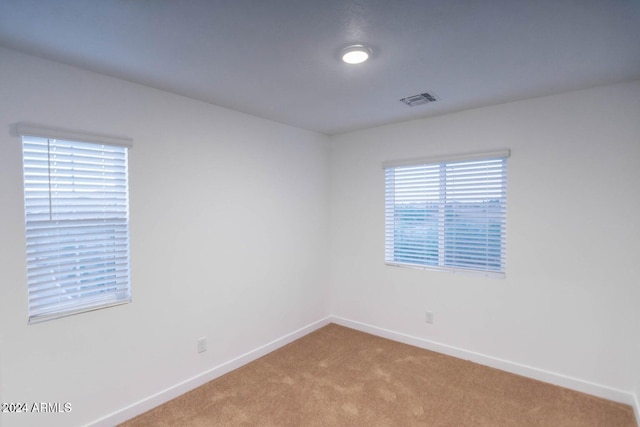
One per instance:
(329, 213)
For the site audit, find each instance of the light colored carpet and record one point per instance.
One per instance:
(336, 376)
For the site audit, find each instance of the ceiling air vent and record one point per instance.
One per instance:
(423, 98)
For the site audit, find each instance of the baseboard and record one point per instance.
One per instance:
(516, 368)
(164, 396)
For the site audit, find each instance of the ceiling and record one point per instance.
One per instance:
(279, 59)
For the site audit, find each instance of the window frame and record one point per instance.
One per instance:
(77, 235)
(432, 235)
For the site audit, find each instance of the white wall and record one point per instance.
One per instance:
(569, 303)
(637, 358)
(229, 240)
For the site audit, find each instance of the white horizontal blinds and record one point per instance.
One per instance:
(412, 215)
(447, 215)
(475, 215)
(76, 205)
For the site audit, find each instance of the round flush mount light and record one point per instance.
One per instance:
(355, 54)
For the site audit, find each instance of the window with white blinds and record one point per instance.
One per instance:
(447, 215)
(77, 226)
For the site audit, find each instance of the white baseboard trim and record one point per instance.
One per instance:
(164, 396)
(561, 380)
(172, 392)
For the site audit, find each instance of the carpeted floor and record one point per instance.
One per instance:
(336, 376)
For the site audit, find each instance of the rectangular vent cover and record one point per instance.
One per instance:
(423, 98)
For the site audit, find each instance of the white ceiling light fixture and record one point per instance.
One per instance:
(355, 54)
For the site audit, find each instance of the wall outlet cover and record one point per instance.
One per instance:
(202, 344)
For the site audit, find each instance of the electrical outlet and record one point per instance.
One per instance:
(428, 316)
(202, 344)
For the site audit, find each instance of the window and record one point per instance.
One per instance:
(77, 223)
(447, 214)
